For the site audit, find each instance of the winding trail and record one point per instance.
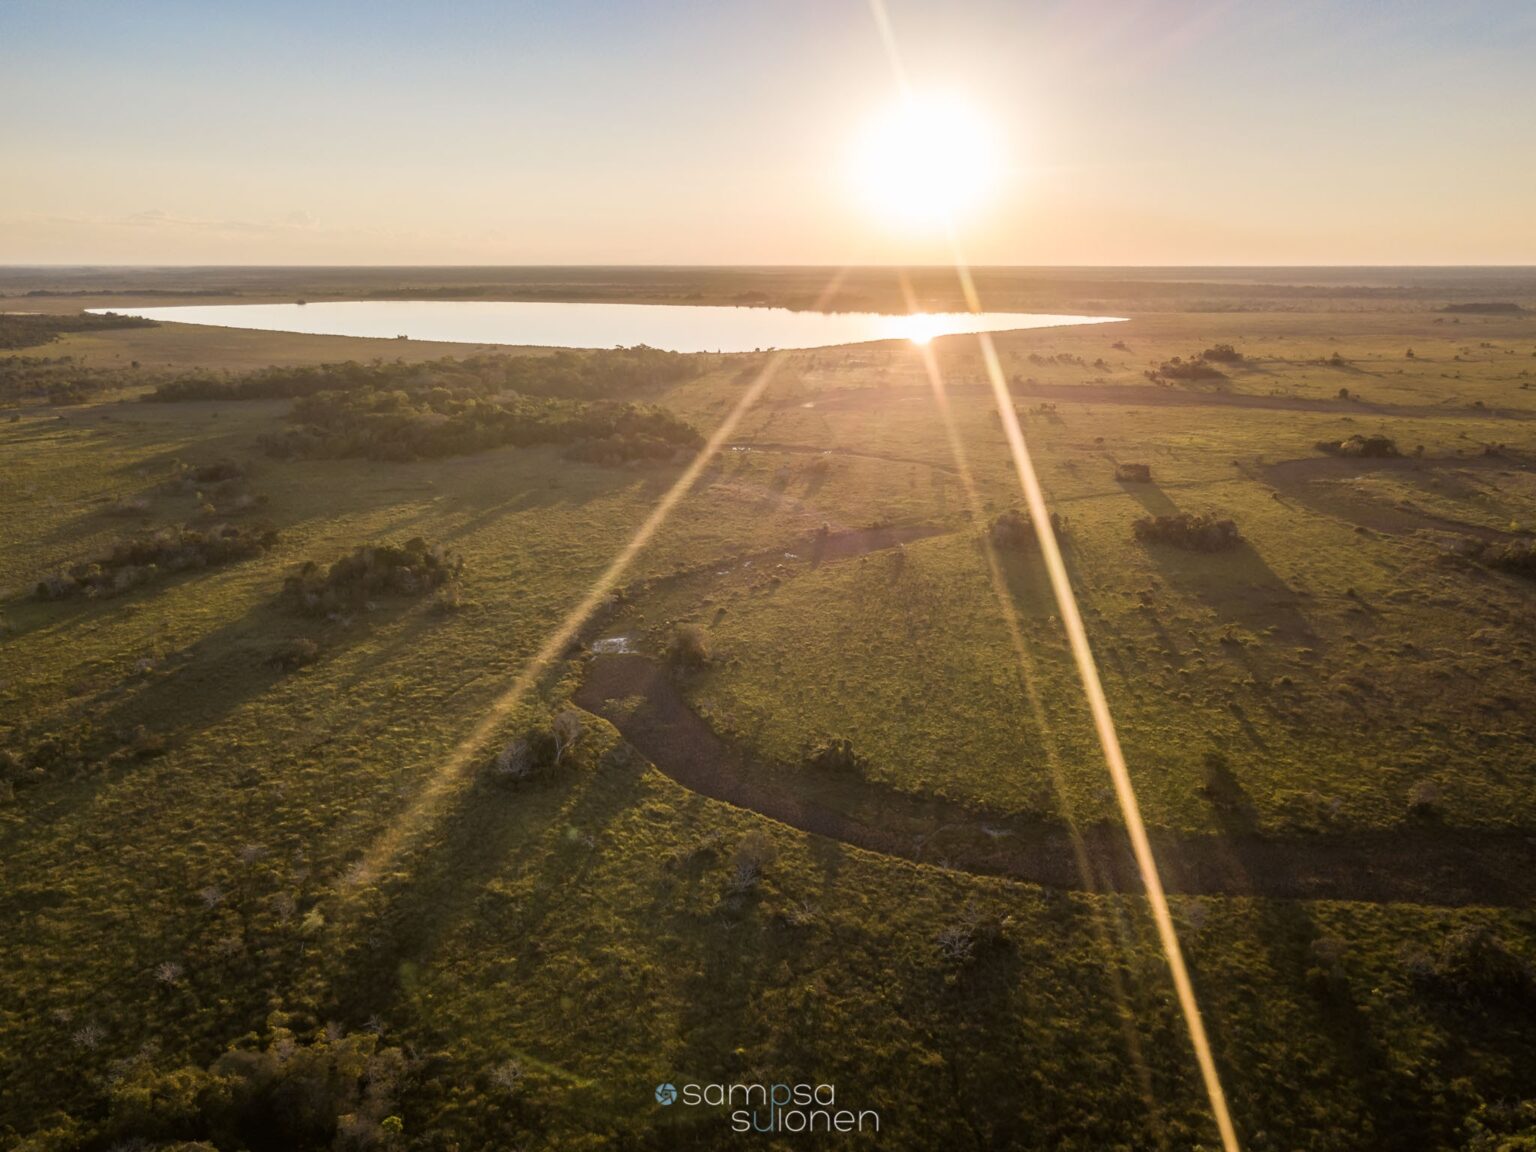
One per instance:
(1424, 863)
(1427, 864)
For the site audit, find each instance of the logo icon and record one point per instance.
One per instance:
(666, 1094)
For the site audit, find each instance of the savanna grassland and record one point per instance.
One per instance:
(791, 806)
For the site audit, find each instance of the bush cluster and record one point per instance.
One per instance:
(1200, 532)
(371, 571)
(1199, 367)
(1134, 473)
(143, 558)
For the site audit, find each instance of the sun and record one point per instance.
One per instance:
(926, 161)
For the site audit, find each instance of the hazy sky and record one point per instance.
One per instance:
(643, 131)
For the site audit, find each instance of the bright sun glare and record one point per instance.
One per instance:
(927, 160)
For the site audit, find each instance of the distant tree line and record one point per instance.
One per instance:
(27, 330)
(399, 425)
(450, 407)
(619, 373)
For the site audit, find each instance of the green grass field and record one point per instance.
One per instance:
(204, 850)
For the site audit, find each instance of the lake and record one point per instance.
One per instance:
(673, 327)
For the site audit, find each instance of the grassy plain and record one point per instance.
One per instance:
(544, 953)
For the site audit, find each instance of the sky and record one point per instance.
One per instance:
(1158, 132)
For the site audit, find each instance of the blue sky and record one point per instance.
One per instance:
(1130, 131)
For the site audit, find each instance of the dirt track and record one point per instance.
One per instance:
(1427, 864)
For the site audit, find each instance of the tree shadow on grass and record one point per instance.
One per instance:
(1149, 496)
(1236, 583)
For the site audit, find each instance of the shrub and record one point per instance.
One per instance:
(753, 855)
(372, 570)
(835, 755)
(1192, 532)
(1134, 473)
(1380, 447)
(539, 748)
(295, 653)
(960, 941)
(689, 647)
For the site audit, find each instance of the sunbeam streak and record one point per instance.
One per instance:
(1029, 680)
(1087, 668)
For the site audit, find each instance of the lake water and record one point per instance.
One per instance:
(674, 327)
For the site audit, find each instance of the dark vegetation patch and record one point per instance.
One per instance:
(370, 572)
(1369, 447)
(1134, 473)
(25, 330)
(1194, 532)
(147, 557)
